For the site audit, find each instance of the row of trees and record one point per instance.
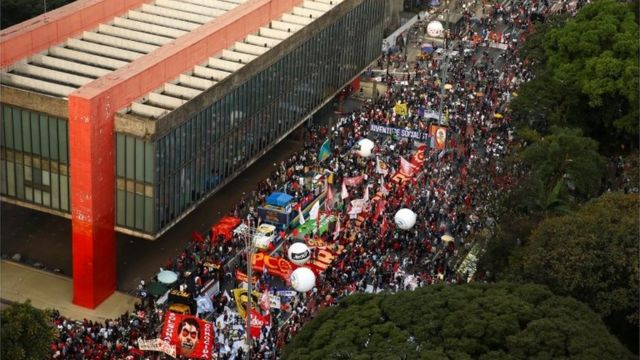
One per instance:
(489, 321)
(579, 113)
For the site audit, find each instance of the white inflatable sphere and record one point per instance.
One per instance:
(303, 279)
(299, 253)
(366, 146)
(405, 219)
(435, 29)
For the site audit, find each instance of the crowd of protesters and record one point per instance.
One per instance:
(452, 194)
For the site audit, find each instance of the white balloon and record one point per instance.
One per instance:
(405, 219)
(303, 279)
(365, 146)
(435, 29)
(299, 253)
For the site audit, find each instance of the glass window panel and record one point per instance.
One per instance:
(37, 196)
(7, 123)
(148, 162)
(148, 215)
(55, 191)
(17, 129)
(3, 177)
(64, 192)
(44, 135)
(139, 199)
(120, 152)
(139, 165)
(53, 138)
(129, 209)
(24, 130)
(35, 131)
(20, 182)
(11, 179)
(130, 151)
(120, 208)
(63, 136)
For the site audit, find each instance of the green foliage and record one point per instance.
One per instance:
(563, 168)
(496, 321)
(591, 255)
(26, 332)
(16, 11)
(586, 74)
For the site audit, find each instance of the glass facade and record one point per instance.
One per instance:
(158, 181)
(196, 157)
(34, 158)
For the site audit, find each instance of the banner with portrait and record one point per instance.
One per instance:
(438, 136)
(191, 336)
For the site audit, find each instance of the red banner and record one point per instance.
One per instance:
(192, 337)
(242, 277)
(275, 266)
(257, 322)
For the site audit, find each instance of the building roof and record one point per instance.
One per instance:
(79, 60)
(201, 77)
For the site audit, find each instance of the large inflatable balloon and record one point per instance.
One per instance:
(405, 219)
(435, 29)
(299, 253)
(303, 279)
(365, 147)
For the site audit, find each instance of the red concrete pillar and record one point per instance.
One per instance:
(92, 199)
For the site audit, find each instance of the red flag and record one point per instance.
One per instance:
(345, 192)
(257, 322)
(406, 167)
(379, 209)
(328, 202)
(383, 227)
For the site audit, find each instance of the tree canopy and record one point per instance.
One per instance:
(591, 255)
(26, 332)
(588, 74)
(473, 321)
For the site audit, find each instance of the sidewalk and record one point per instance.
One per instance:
(52, 291)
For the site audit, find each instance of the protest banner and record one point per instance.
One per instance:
(188, 335)
(241, 298)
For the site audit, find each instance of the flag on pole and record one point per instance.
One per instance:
(301, 215)
(353, 181)
(379, 209)
(328, 201)
(315, 210)
(381, 167)
(345, 193)
(325, 151)
(406, 167)
(336, 232)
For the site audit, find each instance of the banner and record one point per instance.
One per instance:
(275, 266)
(157, 345)
(401, 109)
(241, 298)
(404, 133)
(242, 277)
(257, 322)
(353, 181)
(325, 151)
(191, 336)
(438, 136)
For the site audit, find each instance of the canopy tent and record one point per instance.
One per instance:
(279, 199)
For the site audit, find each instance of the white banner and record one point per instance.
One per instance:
(157, 345)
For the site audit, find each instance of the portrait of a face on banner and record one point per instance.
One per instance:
(192, 337)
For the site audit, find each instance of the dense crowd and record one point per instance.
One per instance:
(452, 194)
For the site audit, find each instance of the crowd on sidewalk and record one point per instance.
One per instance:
(452, 194)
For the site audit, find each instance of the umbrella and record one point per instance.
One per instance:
(156, 289)
(426, 47)
(447, 238)
(167, 277)
(498, 116)
(448, 86)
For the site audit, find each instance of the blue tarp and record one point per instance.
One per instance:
(279, 199)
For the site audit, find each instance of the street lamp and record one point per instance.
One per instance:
(445, 62)
(247, 234)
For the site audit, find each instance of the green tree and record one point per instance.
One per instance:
(562, 168)
(590, 74)
(26, 332)
(591, 255)
(472, 321)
